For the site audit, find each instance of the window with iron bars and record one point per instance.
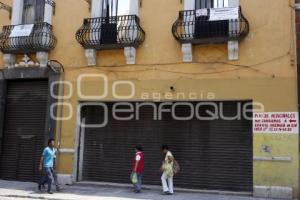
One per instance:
(115, 23)
(210, 29)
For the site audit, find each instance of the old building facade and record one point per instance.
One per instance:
(101, 76)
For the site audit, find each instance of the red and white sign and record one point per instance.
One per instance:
(275, 122)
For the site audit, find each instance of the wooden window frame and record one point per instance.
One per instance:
(39, 10)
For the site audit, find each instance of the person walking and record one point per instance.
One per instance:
(47, 166)
(138, 168)
(167, 170)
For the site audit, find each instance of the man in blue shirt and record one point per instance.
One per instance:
(47, 163)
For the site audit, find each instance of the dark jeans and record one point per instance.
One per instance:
(48, 175)
(138, 185)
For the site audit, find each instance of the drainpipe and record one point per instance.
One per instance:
(59, 110)
(297, 30)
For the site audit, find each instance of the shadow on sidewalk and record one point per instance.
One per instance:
(103, 192)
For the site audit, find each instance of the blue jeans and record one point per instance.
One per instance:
(138, 185)
(47, 177)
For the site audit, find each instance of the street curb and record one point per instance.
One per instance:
(156, 187)
(31, 197)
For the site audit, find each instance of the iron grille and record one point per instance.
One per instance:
(190, 28)
(40, 39)
(111, 32)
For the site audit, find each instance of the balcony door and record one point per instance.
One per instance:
(115, 8)
(33, 11)
(211, 30)
(109, 8)
(211, 4)
(114, 21)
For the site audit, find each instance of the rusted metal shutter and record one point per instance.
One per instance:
(214, 155)
(24, 129)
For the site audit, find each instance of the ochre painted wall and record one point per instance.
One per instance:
(271, 79)
(280, 99)
(265, 72)
(277, 173)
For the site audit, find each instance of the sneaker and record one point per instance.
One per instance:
(137, 191)
(165, 193)
(49, 192)
(169, 193)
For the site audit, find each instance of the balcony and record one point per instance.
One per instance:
(193, 29)
(111, 32)
(41, 39)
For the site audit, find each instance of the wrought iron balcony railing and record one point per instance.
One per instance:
(189, 28)
(111, 32)
(41, 38)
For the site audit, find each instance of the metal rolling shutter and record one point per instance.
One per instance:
(214, 155)
(24, 129)
(2, 109)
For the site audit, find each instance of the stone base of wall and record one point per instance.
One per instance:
(65, 179)
(276, 192)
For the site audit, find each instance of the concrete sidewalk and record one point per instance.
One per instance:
(22, 191)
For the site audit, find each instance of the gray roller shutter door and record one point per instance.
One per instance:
(2, 109)
(24, 129)
(214, 155)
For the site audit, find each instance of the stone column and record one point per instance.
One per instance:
(17, 13)
(130, 52)
(187, 49)
(233, 46)
(42, 56)
(91, 54)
